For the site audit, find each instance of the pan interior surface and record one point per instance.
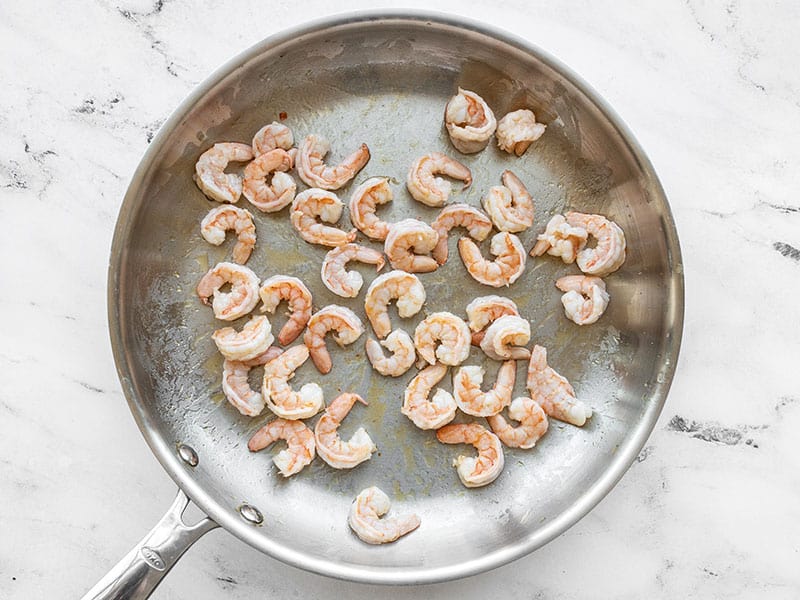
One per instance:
(385, 82)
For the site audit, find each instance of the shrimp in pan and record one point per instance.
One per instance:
(244, 345)
(474, 471)
(518, 130)
(272, 136)
(313, 170)
(343, 321)
(240, 300)
(560, 239)
(315, 203)
(332, 449)
(428, 413)
(443, 337)
(278, 393)
(510, 206)
(505, 269)
(553, 392)
(365, 518)
(269, 196)
(609, 254)
(282, 287)
(407, 243)
(210, 174)
(585, 298)
(228, 217)
(532, 424)
(400, 344)
(469, 121)
(506, 338)
(472, 400)
(236, 387)
(405, 288)
(300, 445)
(473, 220)
(345, 283)
(484, 310)
(363, 202)
(423, 184)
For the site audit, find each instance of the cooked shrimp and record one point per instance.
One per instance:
(474, 471)
(609, 254)
(313, 203)
(272, 136)
(407, 243)
(469, 121)
(210, 173)
(405, 288)
(472, 400)
(348, 283)
(560, 239)
(428, 413)
(506, 338)
(300, 449)
(452, 335)
(269, 196)
(236, 387)
(401, 346)
(279, 395)
(510, 206)
(252, 340)
(423, 184)
(363, 202)
(243, 297)
(331, 448)
(585, 299)
(518, 130)
(316, 173)
(221, 219)
(484, 310)
(505, 269)
(282, 287)
(343, 321)
(553, 392)
(533, 424)
(365, 518)
(473, 220)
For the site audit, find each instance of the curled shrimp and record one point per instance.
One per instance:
(300, 445)
(221, 219)
(585, 299)
(282, 287)
(272, 136)
(236, 387)
(279, 395)
(405, 288)
(553, 392)
(331, 448)
(450, 332)
(343, 321)
(316, 173)
(469, 121)
(345, 283)
(210, 173)
(472, 400)
(510, 206)
(473, 220)
(269, 196)
(243, 296)
(425, 413)
(505, 269)
(252, 340)
(474, 471)
(400, 344)
(518, 130)
(365, 518)
(506, 338)
(313, 203)
(532, 424)
(560, 239)
(423, 184)
(609, 254)
(407, 243)
(486, 309)
(363, 202)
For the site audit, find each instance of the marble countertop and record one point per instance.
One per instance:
(710, 508)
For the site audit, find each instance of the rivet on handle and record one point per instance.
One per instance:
(251, 514)
(188, 455)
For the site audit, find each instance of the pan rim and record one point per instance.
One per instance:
(165, 451)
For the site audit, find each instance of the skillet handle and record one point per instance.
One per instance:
(139, 573)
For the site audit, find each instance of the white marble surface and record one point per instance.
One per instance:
(712, 91)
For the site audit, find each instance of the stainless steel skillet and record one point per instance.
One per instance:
(383, 79)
